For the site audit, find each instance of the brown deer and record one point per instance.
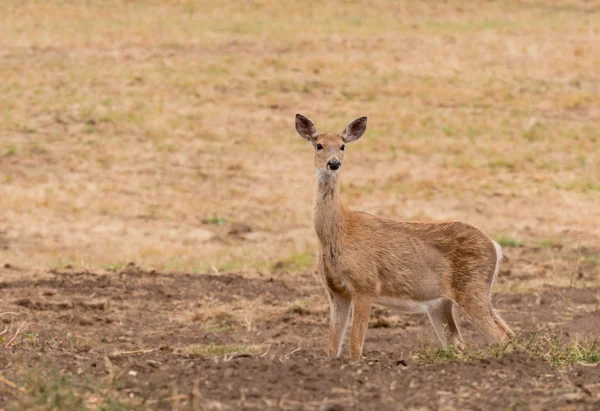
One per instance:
(428, 267)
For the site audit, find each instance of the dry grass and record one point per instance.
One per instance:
(49, 389)
(219, 350)
(144, 131)
(12, 333)
(555, 350)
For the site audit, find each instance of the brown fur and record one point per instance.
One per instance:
(363, 257)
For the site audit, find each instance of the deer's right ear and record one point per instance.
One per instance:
(306, 128)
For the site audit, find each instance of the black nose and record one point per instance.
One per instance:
(334, 164)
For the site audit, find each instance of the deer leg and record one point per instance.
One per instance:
(438, 321)
(360, 322)
(485, 318)
(442, 319)
(451, 314)
(502, 324)
(339, 308)
(436, 317)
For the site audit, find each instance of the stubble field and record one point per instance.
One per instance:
(156, 247)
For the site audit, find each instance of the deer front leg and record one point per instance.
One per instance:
(360, 321)
(339, 307)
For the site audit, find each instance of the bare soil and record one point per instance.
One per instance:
(180, 341)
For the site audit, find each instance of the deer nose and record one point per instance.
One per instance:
(334, 164)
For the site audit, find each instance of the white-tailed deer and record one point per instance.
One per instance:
(421, 266)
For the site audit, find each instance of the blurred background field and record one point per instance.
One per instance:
(162, 132)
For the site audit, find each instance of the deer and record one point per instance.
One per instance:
(437, 267)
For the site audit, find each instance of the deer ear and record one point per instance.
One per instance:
(355, 130)
(306, 128)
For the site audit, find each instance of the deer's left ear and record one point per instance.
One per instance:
(355, 130)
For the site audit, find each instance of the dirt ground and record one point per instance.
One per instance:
(143, 339)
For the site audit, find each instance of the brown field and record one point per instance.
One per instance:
(156, 247)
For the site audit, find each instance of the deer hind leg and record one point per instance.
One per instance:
(486, 319)
(442, 319)
(339, 307)
(502, 324)
(360, 322)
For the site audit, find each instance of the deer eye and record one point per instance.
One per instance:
(343, 147)
(319, 146)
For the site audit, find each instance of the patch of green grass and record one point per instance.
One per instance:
(580, 185)
(504, 163)
(534, 132)
(433, 355)
(113, 267)
(546, 244)
(53, 392)
(218, 329)
(449, 131)
(304, 302)
(49, 389)
(429, 354)
(10, 150)
(296, 262)
(233, 265)
(64, 264)
(547, 165)
(509, 242)
(560, 353)
(592, 259)
(460, 162)
(31, 339)
(215, 220)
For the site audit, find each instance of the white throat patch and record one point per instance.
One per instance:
(325, 176)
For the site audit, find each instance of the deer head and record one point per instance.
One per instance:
(329, 147)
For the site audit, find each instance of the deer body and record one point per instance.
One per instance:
(418, 266)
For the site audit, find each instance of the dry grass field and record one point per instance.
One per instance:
(156, 245)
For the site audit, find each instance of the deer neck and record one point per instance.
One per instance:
(329, 214)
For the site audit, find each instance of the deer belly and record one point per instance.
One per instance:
(408, 305)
